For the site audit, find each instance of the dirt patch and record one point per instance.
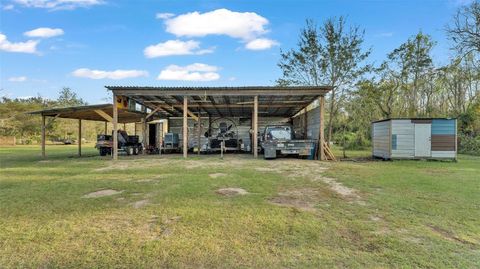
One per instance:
(101, 193)
(302, 199)
(265, 169)
(231, 191)
(217, 175)
(141, 203)
(449, 235)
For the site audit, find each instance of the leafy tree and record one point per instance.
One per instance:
(413, 63)
(67, 97)
(332, 55)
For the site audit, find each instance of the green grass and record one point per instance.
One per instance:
(407, 213)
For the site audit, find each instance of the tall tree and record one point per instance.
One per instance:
(67, 97)
(465, 29)
(413, 62)
(332, 55)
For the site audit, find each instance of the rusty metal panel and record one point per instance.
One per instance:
(443, 142)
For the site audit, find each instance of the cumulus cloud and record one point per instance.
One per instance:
(175, 47)
(261, 44)
(100, 74)
(193, 72)
(17, 79)
(29, 46)
(163, 16)
(58, 4)
(246, 25)
(249, 27)
(44, 32)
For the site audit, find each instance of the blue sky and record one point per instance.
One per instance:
(87, 44)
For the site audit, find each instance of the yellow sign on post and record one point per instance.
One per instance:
(122, 102)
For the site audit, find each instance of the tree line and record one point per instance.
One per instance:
(408, 83)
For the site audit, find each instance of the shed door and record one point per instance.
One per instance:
(423, 137)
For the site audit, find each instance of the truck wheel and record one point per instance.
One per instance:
(128, 150)
(102, 151)
(135, 151)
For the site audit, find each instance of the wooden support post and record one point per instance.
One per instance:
(106, 128)
(144, 135)
(43, 136)
(79, 138)
(255, 127)
(305, 123)
(199, 135)
(125, 127)
(185, 126)
(115, 129)
(321, 134)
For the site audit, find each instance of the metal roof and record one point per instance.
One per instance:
(88, 113)
(273, 101)
(417, 118)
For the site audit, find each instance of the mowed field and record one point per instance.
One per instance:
(163, 211)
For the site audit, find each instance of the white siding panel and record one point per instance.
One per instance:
(405, 131)
(381, 139)
(443, 154)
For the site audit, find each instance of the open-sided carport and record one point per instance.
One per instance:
(100, 112)
(248, 102)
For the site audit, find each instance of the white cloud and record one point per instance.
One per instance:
(261, 44)
(58, 4)
(44, 32)
(164, 16)
(175, 47)
(193, 72)
(100, 74)
(245, 26)
(8, 7)
(29, 46)
(17, 79)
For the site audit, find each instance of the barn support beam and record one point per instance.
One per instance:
(79, 138)
(105, 132)
(255, 127)
(144, 135)
(185, 127)
(321, 133)
(199, 132)
(115, 128)
(43, 136)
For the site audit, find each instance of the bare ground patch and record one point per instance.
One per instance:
(217, 175)
(302, 199)
(231, 191)
(101, 193)
(449, 235)
(140, 204)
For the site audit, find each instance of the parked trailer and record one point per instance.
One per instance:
(415, 138)
(128, 143)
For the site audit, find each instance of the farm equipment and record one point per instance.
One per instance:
(279, 140)
(128, 143)
(223, 134)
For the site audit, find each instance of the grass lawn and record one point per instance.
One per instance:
(297, 213)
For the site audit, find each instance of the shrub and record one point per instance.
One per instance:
(469, 144)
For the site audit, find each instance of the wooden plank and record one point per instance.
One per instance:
(104, 115)
(115, 128)
(255, 127)
(185, 126)
(152, 112)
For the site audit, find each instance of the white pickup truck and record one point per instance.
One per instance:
(278, 140)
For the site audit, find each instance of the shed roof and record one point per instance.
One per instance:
(273, 101)
(417, 118)
(90, 112)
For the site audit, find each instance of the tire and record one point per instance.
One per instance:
(103, 152)
(129, 151)
(135, 151)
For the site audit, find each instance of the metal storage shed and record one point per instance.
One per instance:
(415, 138)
